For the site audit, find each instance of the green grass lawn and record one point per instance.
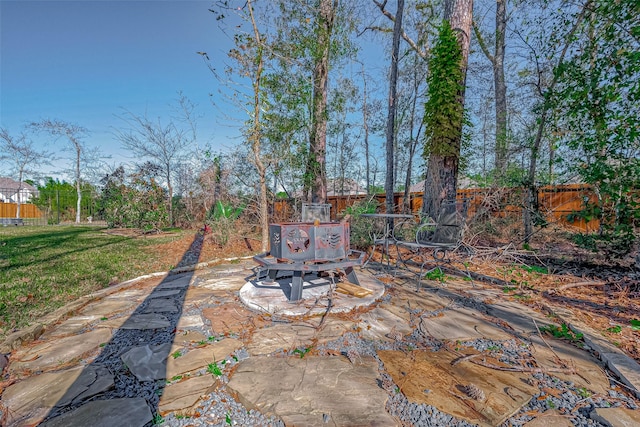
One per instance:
(43, 268)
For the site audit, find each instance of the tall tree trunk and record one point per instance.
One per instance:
(413, 141)
(365, 125)
(78, 183)
(391, 115)
(442, 169)
(502, 147)
(316, 168)
(256, 138)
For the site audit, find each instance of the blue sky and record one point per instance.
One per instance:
(85, 61)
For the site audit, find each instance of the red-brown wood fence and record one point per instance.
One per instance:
(27, 210)
(555, 203)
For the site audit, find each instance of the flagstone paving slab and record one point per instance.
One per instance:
(71, 326)
(378, 323)
(161, 305)
(146, 321)
(189, 337)
(588, 370)
(462, 324)
(429, 377)
(106, 413)
(280, 337)
(550, 419)
(180, 282)
(29, 401)
(108, 307)
(183, 395)
(201, 357)
(232, 318)
(192, 321)
(164, 293)
(199, 296)
(55, 353)
(148, 362)
(310, 390)
(616, 417)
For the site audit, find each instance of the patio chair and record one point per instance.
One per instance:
(435, 241)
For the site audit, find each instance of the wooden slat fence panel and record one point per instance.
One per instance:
(27, 210)
(556, 202)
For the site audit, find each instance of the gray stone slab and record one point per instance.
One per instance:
(303, 392)
(164, 293)
(616, 417)
(518, 316)
(626, 368)
(180, 282)
(106, 413)
(27, 402)
(148, 362)
(462, 324)
(56, 353)
(162, 305)
(146, 321)
(280, 337)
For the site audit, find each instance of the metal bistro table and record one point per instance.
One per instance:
(387, 233)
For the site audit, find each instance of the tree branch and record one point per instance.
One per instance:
(422, 53)
(482, 44)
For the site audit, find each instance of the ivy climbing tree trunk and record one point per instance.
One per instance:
(316, 167)
(444, 110)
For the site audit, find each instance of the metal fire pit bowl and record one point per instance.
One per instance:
(302, 247)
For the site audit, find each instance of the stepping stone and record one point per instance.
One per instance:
(232, 318)
(108, 307)
(146, 321)
(29, 401)
(232, 283)
(303, 392)
(518, 316)
(181, 397)
(405, 301)
(378, 323)
(188, 337)
(106, 413)
(148, 362)
(550, 419)
(462, 324)
(589, 373)
(71, 326)
(201, 357)
(194, 321)
(161, 305)
(129, 295)
(280, 337)
(56, 353)
(199, 296)
(616, 417)
(429, 378)
(180, 282)
(164, 293)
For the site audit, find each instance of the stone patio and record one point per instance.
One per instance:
(329, 359)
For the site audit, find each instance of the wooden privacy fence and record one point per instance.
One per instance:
(27, 210)
(555, 203)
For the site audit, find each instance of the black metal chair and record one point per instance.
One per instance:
(435, 241)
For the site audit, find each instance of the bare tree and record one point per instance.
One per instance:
(20, 152)
(164, 144)
(496, 59)
(74, 135)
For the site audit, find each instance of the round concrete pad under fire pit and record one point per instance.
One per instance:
(273, 297)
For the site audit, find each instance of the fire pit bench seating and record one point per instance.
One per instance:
(301, 247)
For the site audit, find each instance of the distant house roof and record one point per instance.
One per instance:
(9, 188)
